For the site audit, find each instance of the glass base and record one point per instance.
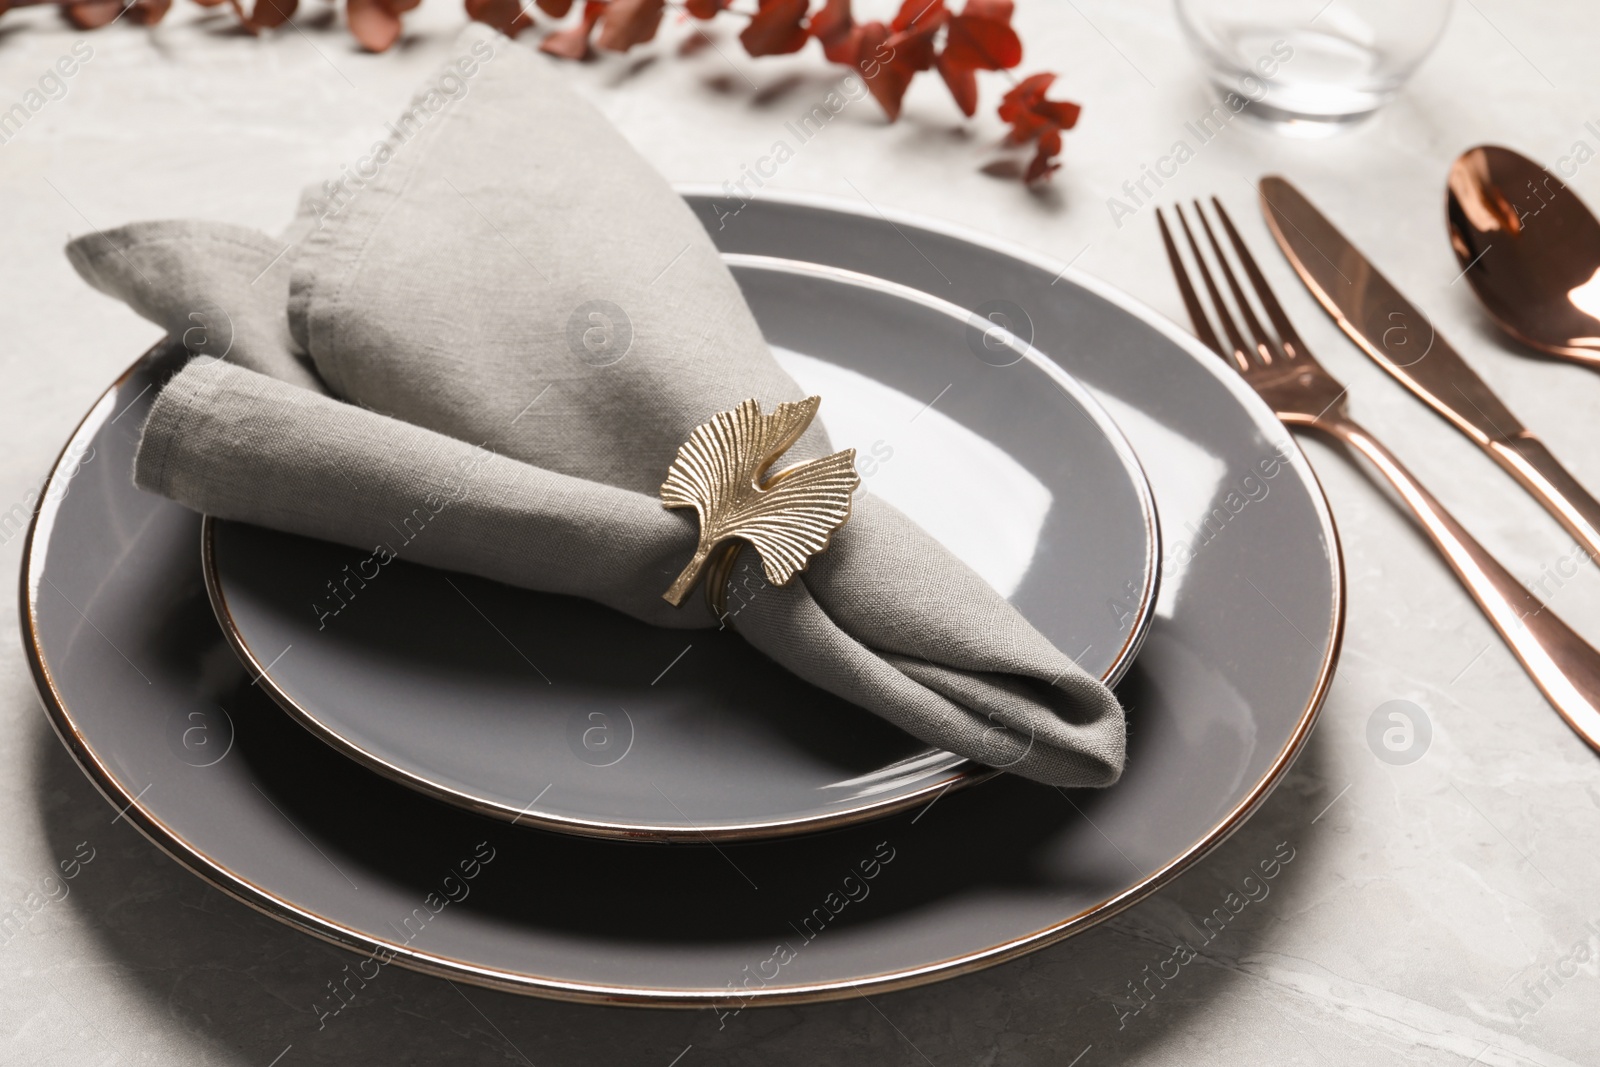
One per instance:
(1306, 82)
(1291, 122)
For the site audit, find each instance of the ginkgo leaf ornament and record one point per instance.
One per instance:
(720, 471)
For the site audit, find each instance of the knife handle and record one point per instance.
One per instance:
(1530, 462)
(1564, 666)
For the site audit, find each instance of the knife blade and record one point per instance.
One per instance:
(1404, 342)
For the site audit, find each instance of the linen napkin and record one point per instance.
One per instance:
(481, 347)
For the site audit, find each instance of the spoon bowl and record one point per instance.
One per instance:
(1530, 250)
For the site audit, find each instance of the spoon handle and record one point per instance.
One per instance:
(1564, 666)
(1530, 462)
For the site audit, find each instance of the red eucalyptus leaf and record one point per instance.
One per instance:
(994, 10)
(845, 48)
(1040, 167)
(92, 14)
(912, 34)
(980, 38)
(1048, 115)
(888, 87)
(1030, 114)
(1033, 87)
(267, 15)
(705, 9)
(510, 17)
(845, 41)
(629, 22)
(555, 8)
(908, 49)
(1035, 118)
(374, 23)
(573, 42)
(912, 49)
(1063, 114)
(963, 83)
(923, 16)
(887, 77)
(981, 44)
(888, 59)
(271, 13)
(777, 28)
(833, 25)
(1043, 164)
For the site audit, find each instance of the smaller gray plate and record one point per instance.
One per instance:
(556, 712)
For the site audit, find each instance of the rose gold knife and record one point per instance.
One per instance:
(1402, 340)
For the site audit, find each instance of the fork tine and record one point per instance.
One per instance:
(1266, 349)
(1287, 336)
(1191, 299)
(1241, 353)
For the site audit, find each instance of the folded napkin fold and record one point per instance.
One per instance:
(483, 346)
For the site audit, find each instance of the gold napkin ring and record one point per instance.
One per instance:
(719, 572)
(721, 472)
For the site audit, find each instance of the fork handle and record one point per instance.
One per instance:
(1564, 666)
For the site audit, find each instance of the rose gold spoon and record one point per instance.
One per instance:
(1530, 249)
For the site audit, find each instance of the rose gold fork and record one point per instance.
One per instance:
(1564, 666)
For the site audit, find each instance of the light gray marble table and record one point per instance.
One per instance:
(1431, 908)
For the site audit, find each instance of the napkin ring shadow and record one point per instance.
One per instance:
(787, 517)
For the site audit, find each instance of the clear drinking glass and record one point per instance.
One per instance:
(1311, 67)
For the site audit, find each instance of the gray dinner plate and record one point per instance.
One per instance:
(556, 712)
(144, 690)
